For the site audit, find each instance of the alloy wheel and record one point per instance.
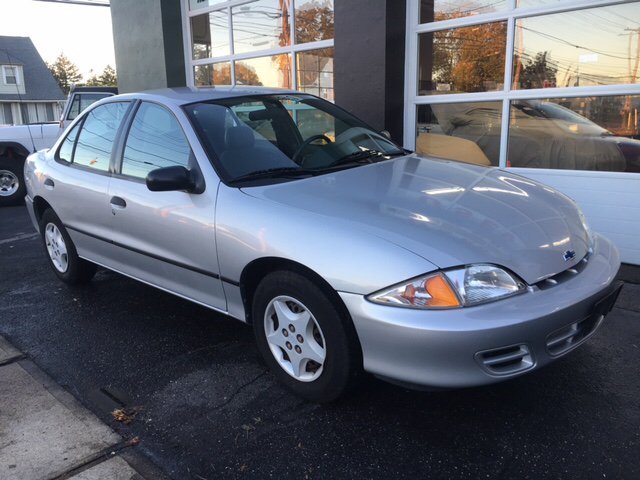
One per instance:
(9, 183)
(56, 247)
(295, 338)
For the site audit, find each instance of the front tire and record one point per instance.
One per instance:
(61, 252)
(12, 187)
(305, 337)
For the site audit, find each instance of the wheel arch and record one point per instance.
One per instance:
(256, 270)
(14, 148)
(40, 205)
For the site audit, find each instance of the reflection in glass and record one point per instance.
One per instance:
(155, 140)
(467, 132)
(531, 3)
(597, 46)
(261, 132)
(589, 133)
(82, 101)
(95, 142)
(260, 25)
(436, 10)
(468, 59)
(314, 20)
(273, 71)
(66, 149)
(213, 74)
(315, 72)
(198, 4)
(210, 35)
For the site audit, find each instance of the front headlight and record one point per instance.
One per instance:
(461, 287)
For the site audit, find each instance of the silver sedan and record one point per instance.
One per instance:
(343, 250)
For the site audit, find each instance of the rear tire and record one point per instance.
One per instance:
(12, 187)
(61, 252)
(305, 337)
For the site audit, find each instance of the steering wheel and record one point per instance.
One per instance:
(306, 143)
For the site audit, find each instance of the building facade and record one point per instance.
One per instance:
(548, 89)
(28, 91)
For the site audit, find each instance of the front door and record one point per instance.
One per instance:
(164, 238)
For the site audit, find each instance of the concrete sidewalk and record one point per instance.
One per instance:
(46, 434)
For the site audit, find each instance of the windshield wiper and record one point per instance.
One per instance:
(274, 173)
(355, 157)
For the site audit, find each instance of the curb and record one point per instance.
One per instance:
(46, 433)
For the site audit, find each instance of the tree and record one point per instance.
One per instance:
(539, 72)
(109, 78)
(480, 65)
(313, 23)
(466, 59)
(210, 75)
(65, 72)
(93, 80)
(245, 75)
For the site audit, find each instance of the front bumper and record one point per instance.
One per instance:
(488, 343)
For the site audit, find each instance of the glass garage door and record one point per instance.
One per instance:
(549, 89)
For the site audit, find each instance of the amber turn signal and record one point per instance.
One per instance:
(441, 293)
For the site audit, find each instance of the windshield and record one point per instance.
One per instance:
(283, 137)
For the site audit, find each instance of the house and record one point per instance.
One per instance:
(28, 91)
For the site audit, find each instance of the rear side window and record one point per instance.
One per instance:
(95, 141)
(66, 149)
(155, 141)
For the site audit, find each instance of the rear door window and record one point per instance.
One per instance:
(65, 153)
(98, 133)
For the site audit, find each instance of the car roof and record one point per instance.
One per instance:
(186, 95)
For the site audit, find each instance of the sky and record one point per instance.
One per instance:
(82, 32)
(593, 42)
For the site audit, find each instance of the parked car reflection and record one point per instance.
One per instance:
(542, 134)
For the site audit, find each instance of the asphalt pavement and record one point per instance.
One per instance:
(194, 393)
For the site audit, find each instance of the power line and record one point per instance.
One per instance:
(93, 3)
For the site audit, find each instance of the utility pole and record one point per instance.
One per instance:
(628, 106)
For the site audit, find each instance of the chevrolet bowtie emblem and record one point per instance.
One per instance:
(568, 255)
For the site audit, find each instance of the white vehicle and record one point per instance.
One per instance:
(17, 142)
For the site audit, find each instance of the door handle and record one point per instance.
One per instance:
(48, 183)
(118, 202)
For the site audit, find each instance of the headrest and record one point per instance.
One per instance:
(210, 116)
(239, 137)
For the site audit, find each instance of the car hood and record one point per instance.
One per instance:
(450, 213)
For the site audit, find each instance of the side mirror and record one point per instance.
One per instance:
(386, 134)
(170, 179)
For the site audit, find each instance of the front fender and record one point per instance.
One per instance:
(350, 260)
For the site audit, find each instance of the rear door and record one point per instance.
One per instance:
(164, 238)
(77, 182)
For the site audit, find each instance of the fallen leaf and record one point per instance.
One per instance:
(126, 415)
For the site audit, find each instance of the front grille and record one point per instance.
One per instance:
(564, 275)
(565, 339)
(505, 360)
